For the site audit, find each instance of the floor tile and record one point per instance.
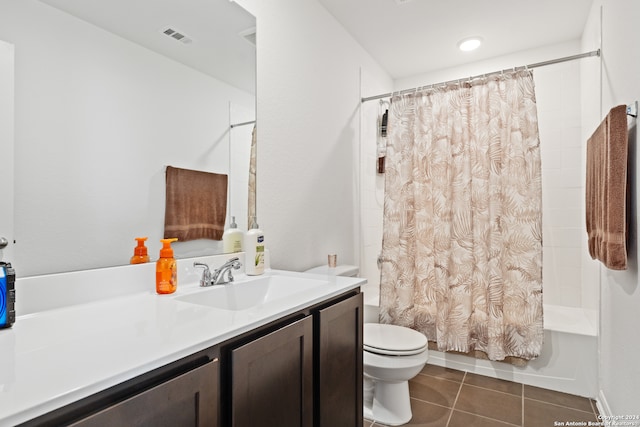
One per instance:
(494, 384)
(463, 419)
(426, 415)
(434, 390)
(558, 398)
(542, 414)
(442, 372)
(443, 397)
(492, 404)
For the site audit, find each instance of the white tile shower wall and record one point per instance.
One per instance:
(559, 112)
(559, 120)
(372, 186)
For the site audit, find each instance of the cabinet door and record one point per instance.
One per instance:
(188, 400)
(339, 382)
(272, 379)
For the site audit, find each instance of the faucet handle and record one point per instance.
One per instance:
(205, 280)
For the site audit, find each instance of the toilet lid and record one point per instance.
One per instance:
(393, 340)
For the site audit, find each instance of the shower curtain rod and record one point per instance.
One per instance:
(524, 67)
(242, 124)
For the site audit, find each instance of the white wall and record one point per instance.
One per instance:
(97, 120)
(308, 133)
(301, 59)
(559, 121)
(620, 291)
(6, 144)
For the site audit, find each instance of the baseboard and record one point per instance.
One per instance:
(603, 406)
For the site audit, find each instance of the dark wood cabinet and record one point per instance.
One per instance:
(306, 373)
(302, 370)
(272, 378)
(190, 399)
(338, 387)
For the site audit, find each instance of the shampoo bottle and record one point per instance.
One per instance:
(232, 238)
(140, 253)
(166, 269)
(254, 250)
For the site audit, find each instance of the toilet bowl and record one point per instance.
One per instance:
(392, 356)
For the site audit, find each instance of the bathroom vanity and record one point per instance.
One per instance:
(292, 356)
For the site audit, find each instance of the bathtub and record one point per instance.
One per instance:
(569, 359)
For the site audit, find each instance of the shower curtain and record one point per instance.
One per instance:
(251, 201)
(462, 235)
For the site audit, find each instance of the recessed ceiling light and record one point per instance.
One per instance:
(469, 44)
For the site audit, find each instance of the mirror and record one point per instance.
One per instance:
(109, 93)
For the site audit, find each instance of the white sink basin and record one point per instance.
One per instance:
(251, 293)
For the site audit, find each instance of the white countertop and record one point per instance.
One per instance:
(54, 357)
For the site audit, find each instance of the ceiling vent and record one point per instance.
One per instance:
(249, 35)
(177, 35)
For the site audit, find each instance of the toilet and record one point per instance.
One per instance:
(392, 356)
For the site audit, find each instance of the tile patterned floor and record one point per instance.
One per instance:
(442, 397)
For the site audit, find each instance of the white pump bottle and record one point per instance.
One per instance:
(254, 250)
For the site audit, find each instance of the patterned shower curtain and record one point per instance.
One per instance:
(251, 200)
(462, 240)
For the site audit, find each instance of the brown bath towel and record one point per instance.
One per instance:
(606, 190)
(196, 204)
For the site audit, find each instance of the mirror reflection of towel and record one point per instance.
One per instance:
(606, 190)
(196, 204)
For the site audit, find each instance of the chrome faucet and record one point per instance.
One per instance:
(218, 274)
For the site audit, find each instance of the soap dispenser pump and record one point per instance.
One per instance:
(140, 253)
(232, 238)
(166, 269)
(254, 250)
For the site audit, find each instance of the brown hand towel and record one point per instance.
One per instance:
(606, 190)
(196, 204)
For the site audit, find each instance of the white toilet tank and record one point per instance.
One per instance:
(340, 270)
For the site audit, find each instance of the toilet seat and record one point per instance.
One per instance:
(393, 340)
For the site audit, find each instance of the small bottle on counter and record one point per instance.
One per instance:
(232, 238)
(166, 269)
(140, 253)
(254, 250)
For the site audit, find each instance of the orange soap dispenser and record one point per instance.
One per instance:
(140, 254)
(166, 269)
